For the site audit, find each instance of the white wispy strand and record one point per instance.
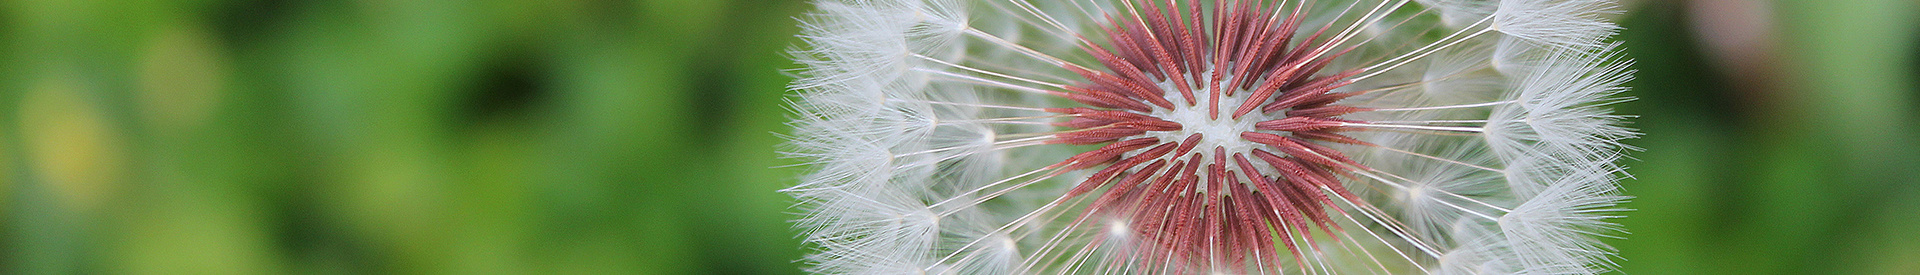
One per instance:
(847, 41)
(1555, 232)
(1000, 254)
(1458, 13)
(1463, 74)
(879, 235)
(1566, 24)
(1439, 193)
(1515, 56)
(1561, 111)
(1479, 250)
(863, 115)
(877, 39)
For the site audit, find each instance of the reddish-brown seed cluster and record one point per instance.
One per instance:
(1187, 206)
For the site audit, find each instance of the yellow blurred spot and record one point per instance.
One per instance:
(70, 145)
(180, 79)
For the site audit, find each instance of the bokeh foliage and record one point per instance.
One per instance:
(638, 137)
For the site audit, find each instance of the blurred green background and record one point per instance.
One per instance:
(624, 137)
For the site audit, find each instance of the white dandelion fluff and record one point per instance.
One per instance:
(1209, 137)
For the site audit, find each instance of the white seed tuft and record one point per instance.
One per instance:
(931, 149)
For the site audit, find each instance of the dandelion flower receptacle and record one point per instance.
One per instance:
(1208, 137)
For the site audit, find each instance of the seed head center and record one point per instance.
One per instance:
(1210, 125)
(1216, 129)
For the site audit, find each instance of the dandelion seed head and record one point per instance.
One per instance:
(1208, 137)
